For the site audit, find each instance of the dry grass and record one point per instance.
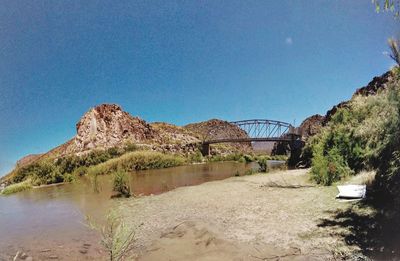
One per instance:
(363, 178)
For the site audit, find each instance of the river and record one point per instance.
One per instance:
(49, 222)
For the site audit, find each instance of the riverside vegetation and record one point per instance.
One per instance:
(363, 135)
(115, 161)
(109, 139)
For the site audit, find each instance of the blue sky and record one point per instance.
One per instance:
(179, 62)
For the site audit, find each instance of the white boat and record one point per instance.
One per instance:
(352, 191)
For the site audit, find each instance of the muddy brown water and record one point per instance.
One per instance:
(50, 221)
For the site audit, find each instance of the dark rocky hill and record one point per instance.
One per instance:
(313, 124)
(215, 129)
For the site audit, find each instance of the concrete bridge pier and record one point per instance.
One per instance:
(205, 149)
(296, 145)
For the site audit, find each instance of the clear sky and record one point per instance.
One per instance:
(179, 62)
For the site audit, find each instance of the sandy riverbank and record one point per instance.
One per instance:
(240, 218)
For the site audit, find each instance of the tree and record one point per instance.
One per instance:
(388, 5)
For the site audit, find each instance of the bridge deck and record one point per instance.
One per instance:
(272, 139)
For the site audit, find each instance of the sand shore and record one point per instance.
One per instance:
(260, 217)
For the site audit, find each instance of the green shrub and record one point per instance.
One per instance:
(43, 172)
(263, 164)
(195, 157)
(327, 169)
(233, 157)
(69, 177)
(121, 183)
(80, 171)
(117, 238)
(250, 172)
(388, 154)
(22, 173)
(361, 135)
(227, 157)
(57, 170)
(48, 173)
(342, 148)
(129, 147)
(68, 164)
(280, 157)
(17, 187)
(138, 160)
(214, 158)
(248, 158)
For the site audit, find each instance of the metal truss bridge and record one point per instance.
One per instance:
(259, 130)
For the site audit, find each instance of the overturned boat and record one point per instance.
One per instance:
(352, 191)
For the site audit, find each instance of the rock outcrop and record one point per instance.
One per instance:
(216, 129)
(312, 125)
(170, 133)
(106, 126)
(377, 83)
(174, 139)
(331, 112)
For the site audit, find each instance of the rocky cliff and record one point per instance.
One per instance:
(106, 126)
(313, 124)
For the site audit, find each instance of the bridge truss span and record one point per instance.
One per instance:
(265, 129)
(260, 130)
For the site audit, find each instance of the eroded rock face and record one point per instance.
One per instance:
(107, 125)
(312, 125)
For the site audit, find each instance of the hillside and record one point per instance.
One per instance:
(218, 129)
(313, 124)
(107, 129)
(28, 159)
(362, 133)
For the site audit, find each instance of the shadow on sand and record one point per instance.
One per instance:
(374, 227)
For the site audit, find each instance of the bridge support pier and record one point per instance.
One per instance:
(296, 146)
(205, 149)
